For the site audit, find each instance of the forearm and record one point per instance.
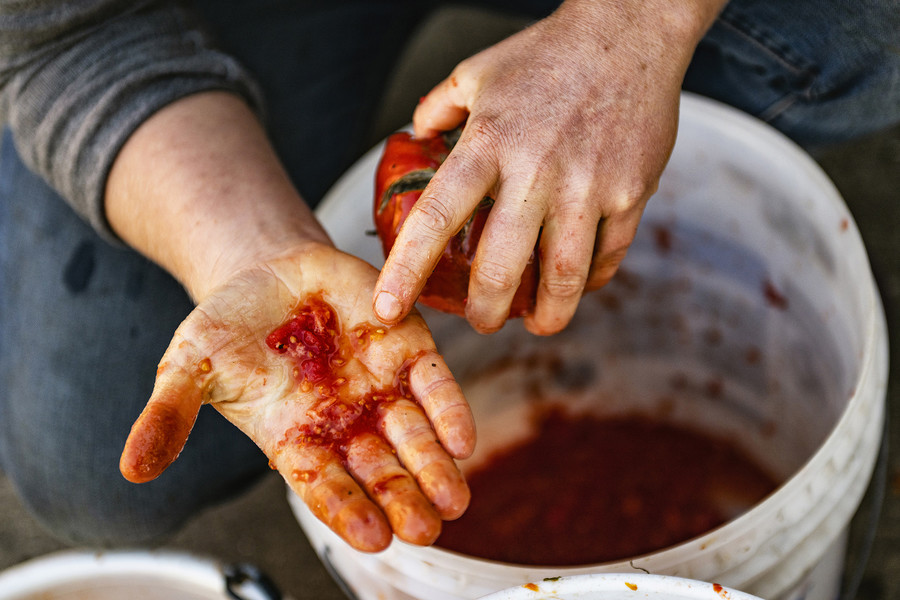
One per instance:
(76, 79)
(198, 189)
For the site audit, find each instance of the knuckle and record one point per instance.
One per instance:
(405, 274)
(404, 271)
(491, 138)
(539, 177)
(486, 328)
(563, 286)
(635, 194)
(485, 127)
(571, 209)
(493, 277)
(435, 214)
(435, 394)
(545, 326)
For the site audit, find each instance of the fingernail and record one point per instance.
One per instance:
(387, 307)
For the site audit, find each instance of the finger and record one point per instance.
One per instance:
(440, 396)
(442, 209)
(161, 430)
(410, 514)
(317, 475)
(407, 429)
(445, 107)
(504, 250)
(614, 237)
(567, 247)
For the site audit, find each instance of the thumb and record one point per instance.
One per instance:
(160, 432)
(444, 108)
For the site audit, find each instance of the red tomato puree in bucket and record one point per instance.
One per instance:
(586, 490)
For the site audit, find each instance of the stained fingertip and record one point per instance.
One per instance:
(155, 441)
(533, 327)
(414, 520)
(363, 526)
(345, 508)
(552, 315)
(456, 431)
(484, 326)
(536, 326)
(387, 308)
(446, 487)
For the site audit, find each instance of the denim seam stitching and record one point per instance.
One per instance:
(741, 27)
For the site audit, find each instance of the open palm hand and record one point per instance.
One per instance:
(362, 420)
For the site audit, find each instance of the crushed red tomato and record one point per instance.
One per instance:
(588, 490)
(407, 165)
(312, 337)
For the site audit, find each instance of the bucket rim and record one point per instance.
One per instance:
(659, 587)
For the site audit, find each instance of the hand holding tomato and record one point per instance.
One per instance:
(406, 167)
(568, 126)
(362, 420)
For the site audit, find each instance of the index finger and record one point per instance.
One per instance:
(443, 208)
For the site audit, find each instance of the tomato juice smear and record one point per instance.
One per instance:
(313, 338)
(585, 490)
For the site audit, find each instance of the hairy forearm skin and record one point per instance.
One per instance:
(683, 23)
(669, 31)
(198, 189)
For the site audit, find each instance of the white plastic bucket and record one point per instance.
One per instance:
(619, 587)
(746, 305)
(135, 575)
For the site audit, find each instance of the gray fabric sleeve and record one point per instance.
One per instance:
(77, 78)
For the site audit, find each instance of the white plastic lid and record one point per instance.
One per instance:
(619, 586)
(137, 575)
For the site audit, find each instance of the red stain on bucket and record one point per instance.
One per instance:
(774, 297)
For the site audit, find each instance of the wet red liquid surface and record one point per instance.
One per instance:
(588, 490)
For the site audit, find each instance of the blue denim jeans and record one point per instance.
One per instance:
(83, 324)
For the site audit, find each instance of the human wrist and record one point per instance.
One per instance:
(198, 189)
(690, 20)
(679, 24)
(246, 251)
